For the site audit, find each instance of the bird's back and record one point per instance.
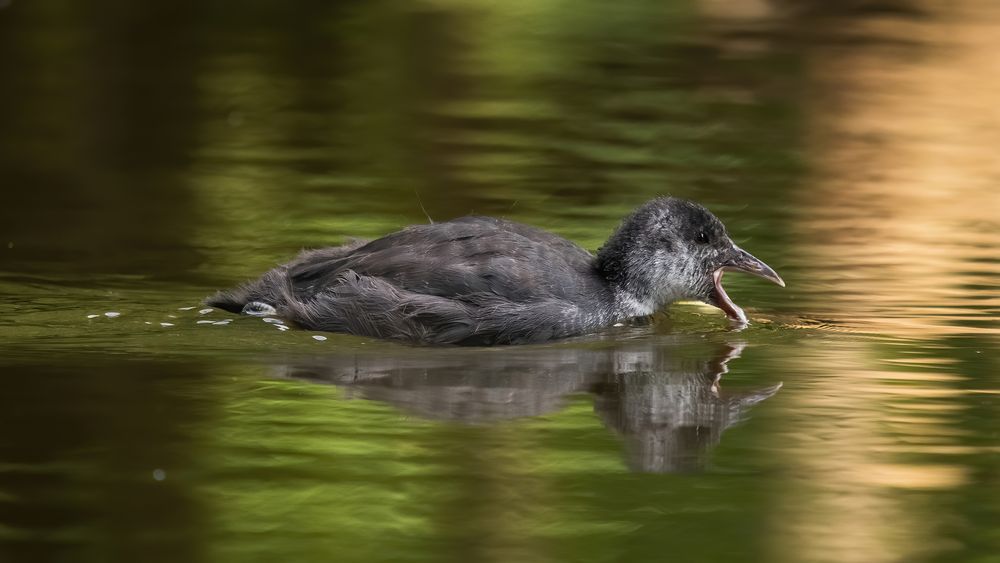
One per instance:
(461, 259)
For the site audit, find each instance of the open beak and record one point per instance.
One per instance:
(739, 261)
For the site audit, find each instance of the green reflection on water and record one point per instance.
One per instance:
(152, 153)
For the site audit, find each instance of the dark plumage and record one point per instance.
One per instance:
(482, 281)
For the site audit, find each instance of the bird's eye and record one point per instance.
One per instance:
(702, 237)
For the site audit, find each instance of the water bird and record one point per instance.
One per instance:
(483, 281)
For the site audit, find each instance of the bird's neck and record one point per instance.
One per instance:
(631, 275)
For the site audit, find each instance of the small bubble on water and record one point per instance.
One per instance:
(185, 308)
(271, 320)
(149, 323)
(220, 323)
(159, 474)
(205, 311)
(282, 328)
(166, 324)
(112, 314)
(92, 316)
(318, 337)
(205, 322)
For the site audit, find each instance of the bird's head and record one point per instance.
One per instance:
(671, 249)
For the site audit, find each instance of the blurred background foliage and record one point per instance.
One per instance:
(186, 126)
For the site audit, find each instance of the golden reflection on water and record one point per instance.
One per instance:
(900, 233)
(851, 453)
(900, 218)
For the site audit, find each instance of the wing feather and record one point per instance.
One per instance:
(469, 256)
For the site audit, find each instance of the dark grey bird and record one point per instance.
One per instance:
(484, 281)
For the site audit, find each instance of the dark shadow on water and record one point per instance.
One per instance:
(663, 397)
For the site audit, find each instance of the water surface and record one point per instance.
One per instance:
(152, 153)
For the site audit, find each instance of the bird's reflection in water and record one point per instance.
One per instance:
(671, 415)
(662, 396)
